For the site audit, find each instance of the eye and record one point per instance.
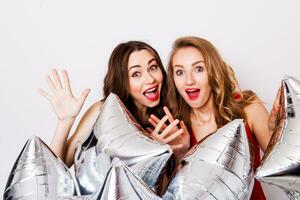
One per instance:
(199, 69)
(179, 72)
(135, 74)
(153, 67)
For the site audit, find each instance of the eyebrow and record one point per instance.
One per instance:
(137, 66)
(134, 66)
(194, 63)
(197, 62)
(150, 61)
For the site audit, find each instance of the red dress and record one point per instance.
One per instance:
(257, 193)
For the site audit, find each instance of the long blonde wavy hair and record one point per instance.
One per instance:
(229, 100)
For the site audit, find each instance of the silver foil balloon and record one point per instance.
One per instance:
(83, 197)
(119, 135)
(281, 162)
(121, 184)
(38, 174)
(90, 168)
(219, 168)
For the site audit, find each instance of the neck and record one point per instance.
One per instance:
(141, 111)
(205, 113)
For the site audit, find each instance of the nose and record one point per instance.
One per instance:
(150, 78)
(189, 79)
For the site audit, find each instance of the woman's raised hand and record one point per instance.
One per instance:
(65, 105)
(178, 138)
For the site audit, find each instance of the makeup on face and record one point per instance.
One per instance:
(145, 78)
(190, 76)
(152, 93)
(193, 93)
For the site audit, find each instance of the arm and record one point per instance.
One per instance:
(83, 129)
(261, 123)
(66, 108)
(257, 119)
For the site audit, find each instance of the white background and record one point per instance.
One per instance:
(260, 39)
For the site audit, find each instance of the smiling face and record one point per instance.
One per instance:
(191, 76)
(145, 79)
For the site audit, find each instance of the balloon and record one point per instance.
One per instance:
(121, 184)
(219, 168)
(83, 197)
(38, 174)
(119, 135)
(90, 168)
(281, 162)
(90, 173)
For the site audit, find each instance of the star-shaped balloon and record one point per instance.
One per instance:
(281, 162)
(90, 168)
(38, 174)
(121, 184)
(119, 135)
(219, 168)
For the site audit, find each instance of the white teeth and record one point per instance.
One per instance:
(152, 90)
(192, 90)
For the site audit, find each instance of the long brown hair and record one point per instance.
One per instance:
(229, 100)
(116, 79)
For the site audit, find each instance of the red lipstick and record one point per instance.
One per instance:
(193, 93)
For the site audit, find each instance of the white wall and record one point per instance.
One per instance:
(260, 39)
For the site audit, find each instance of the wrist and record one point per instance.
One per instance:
(66, 121)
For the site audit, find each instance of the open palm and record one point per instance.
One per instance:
(65, 105)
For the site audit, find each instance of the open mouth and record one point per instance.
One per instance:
(152, 93)
(193, 93)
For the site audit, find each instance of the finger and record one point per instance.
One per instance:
(50, 84)
(176, 147)
(156, 120)
(171, 118)
(152, 122)
(173, 136)
(160, 124)
(169, 128)
(149, 130)
(168, 113)
(183, 126)
(56, 79)
(66, 81)
(83, 96)
(44, 94)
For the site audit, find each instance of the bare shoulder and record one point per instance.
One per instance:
(257, 119)
(89, 118)
(255, 111)
(95, 107)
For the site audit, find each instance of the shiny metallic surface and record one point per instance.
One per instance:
(83, 197)
(218, 168)
(121, 184)
(293, 195)
(90, 170)
(281, 162)
(119, 135)
(38, 174)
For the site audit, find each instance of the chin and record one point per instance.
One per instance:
(152, 104)
(193, 104)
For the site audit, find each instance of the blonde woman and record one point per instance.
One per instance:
(203, 91)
